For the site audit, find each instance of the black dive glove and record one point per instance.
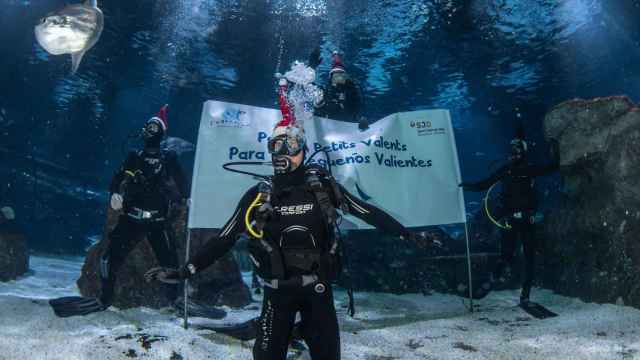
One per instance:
(468, 186)
(264, 214)
(169, 275)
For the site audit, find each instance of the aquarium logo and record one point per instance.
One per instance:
(421, 124)
(425, 128)
(233, 118)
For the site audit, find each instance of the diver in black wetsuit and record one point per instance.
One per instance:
(293, 245)
(342, 98)
(519, 203)
(144, 187)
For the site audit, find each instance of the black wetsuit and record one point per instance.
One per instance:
(298, 232)
(519, 205)
(149, 180)
(342, 102)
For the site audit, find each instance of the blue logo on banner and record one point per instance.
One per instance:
(233, 118)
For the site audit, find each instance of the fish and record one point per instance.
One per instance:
(177, 145)
(72, 30)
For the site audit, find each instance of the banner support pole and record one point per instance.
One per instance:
(186, 281)
(466, 233)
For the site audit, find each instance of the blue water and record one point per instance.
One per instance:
(493, 63)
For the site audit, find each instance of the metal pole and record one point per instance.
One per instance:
(186, 281)
(466, 233)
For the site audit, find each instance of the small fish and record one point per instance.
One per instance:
(72, 30)
(178, 145)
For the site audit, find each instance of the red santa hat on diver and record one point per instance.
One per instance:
(161, 118)
(288, 125)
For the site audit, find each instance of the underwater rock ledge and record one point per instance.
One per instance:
(221, 284)
(590, 241)
(14, 255)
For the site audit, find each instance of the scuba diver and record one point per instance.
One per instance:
(342, 98)
(291, 220)
(520, 204)
(149, 181)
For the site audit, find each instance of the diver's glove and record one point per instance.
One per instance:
(169, 275)
(363, 123)
(264, 214)
(116, 201)
(467, 186)
(422, 240)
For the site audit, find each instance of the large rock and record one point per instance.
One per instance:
(221, 284)
(14, 257)
(590, 240)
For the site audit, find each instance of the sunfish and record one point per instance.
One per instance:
(72, 30)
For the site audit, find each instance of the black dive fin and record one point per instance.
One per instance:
(248, 330)
(75, 306)
(245, 331)
(199, 310)
(536, 310)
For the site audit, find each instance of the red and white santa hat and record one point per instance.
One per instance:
(288, 125)
(337, 65)
(162, 118)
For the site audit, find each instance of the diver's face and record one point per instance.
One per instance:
(151, 131)
(338, 78)
(517, 154)
(518, 150)
(283, 164)
(152, 135)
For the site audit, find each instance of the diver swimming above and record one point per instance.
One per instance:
(142, 189)
(342, 98)
(519, 205)
(293, 244)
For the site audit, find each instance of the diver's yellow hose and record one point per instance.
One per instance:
(130, 173)
(486, 209)
(247, 218)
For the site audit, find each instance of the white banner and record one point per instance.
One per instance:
(406, 163)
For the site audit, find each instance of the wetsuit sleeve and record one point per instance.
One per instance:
(121, 174)
(219, 245)
(534, 170)
(372, 215)
(175, 171)
(486, 183)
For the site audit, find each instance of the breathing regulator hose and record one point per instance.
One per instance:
(505, 226)
(255, 228)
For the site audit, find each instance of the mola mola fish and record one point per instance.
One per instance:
(72, 30)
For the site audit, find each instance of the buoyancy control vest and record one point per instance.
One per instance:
(301, 237)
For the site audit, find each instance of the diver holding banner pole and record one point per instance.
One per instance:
(520, 203)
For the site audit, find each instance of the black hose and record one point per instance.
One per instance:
(226, 166)
(326, 154)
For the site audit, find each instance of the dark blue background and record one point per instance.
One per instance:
(493, 63)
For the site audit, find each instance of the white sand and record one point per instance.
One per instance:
(386, 327)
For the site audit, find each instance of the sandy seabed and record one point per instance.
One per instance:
(386, 327)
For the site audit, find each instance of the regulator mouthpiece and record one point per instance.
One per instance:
(281, 164)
